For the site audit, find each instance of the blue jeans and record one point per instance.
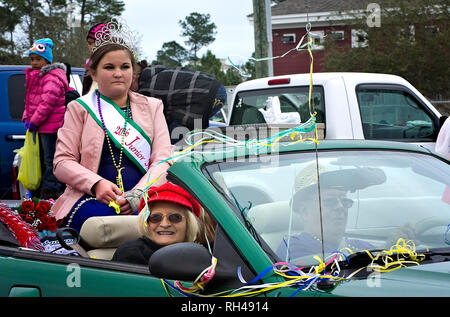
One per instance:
(47, 145)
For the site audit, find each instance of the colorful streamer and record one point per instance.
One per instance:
(212, 137)
(403, 253)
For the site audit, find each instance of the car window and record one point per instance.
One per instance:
(379, 195)
(16, 95)
(391, 114)
(219, 116)
(292, 99)
(225, 250)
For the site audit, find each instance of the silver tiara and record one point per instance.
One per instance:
(115, 32)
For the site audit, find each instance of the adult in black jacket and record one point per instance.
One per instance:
(190, 97)
(71, 94)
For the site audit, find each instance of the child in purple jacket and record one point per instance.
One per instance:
(46, 85)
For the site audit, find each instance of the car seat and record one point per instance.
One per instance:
(271, 221)
(246, 114)
(104, 234)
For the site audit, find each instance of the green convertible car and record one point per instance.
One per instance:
(337, 218)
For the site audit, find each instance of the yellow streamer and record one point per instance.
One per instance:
(396, 257)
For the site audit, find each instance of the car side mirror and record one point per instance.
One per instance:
(180, 261)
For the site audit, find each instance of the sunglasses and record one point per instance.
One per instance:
(333, 202)
(173, 218)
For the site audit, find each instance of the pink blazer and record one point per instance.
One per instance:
(80, 142)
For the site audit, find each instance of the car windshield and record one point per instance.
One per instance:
(306, 204)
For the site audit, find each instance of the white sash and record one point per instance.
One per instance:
(137, 145)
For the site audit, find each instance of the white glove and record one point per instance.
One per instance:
(134, 198)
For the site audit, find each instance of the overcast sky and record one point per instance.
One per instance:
(156, 22)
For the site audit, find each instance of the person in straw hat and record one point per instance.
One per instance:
(325, 226)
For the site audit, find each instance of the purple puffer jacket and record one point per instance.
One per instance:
(45, 100)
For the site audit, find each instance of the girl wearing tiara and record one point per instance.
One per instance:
(113, 140)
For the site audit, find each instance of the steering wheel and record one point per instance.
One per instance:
(422, 132)
(424, 225)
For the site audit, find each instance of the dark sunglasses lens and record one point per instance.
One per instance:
(155, 218)
(175, 218)
(333, 202)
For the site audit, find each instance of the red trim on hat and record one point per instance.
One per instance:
(172, 193)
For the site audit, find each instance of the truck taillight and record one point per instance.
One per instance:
(279, 81)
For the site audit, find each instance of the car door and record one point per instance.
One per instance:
(36, 274)
(12, 131)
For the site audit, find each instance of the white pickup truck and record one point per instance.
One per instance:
(348, 106)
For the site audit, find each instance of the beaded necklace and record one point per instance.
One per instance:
(119, 169)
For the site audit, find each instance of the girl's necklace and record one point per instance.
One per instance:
(119, 169)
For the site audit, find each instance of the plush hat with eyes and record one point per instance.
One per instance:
(172, 193)
(43, 48)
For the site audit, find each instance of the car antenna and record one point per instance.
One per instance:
(315, 146)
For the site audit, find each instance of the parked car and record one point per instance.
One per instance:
(396, 229)
(348, 106)
(12, 131)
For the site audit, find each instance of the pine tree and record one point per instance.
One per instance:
(200, 32)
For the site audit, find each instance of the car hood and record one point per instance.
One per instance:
(423, 280)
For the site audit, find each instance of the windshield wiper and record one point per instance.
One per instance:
(440, 251)
(438, 255)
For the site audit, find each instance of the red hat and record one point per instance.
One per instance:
(173, 193)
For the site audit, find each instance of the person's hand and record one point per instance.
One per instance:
(406, 232)
(106, 191)
(125, 207)
(31, 127)
(134, 198)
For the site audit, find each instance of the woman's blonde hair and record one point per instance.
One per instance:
(192, 224)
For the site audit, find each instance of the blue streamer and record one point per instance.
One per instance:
(260, 275)
(302, 286)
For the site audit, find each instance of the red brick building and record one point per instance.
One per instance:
(289, 20)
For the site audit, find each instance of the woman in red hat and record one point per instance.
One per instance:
(170, 215)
